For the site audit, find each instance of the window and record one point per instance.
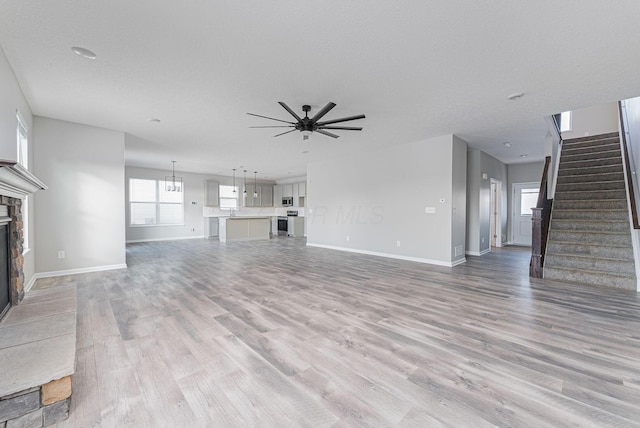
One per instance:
(528, 200)
(23, 159)
(228, 197)
(565, 121)
(150, 204)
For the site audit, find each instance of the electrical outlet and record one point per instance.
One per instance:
(347, 237)
(397, 243)
(61, 255)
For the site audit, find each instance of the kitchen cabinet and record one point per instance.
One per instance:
(211, 193)
(249, 200)
(287, 190)
(302, 189)
(277, 195)
(294, 188)
(211, 227)
(264, 196)
(295, 227)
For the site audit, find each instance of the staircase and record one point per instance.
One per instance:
(590, 236)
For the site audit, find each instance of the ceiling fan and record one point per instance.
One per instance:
(306, 125)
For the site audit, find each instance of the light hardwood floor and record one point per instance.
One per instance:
(276, 334)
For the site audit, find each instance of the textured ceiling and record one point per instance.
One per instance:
(416, 68)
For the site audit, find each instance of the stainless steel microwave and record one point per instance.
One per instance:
(287, 202)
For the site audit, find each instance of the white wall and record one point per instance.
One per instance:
(82, 212)
(479, 200)
(594, 120)
(12, 100)
(379, 198)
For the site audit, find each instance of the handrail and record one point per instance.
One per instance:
(624, 130)
(541, 218)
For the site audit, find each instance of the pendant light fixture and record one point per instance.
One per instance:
(173, 183)
(255, 184)
(234, 180)
(245, 183)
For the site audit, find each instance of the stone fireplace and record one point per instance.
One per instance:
(15, 184)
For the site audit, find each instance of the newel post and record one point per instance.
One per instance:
(535, 267)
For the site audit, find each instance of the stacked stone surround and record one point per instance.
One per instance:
(37, 407)
(16, 239)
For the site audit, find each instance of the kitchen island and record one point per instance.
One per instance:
(244, 228)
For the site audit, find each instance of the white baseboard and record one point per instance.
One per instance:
(391, 256)
(179, 238)
(76, 271)
(32, 281)
(478, 253)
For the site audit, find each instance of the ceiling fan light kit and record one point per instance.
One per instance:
(307, 125)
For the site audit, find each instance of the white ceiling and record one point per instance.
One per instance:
(416, 68)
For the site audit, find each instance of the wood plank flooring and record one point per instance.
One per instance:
(276, 334)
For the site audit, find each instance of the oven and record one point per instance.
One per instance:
(283, 225)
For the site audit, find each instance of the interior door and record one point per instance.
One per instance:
(525, 197)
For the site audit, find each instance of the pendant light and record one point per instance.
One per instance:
(255, 184)
(245, 183)
(234, 180)
(173, 183)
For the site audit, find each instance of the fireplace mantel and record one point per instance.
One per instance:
(16, 181)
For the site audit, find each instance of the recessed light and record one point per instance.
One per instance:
(83, 52)
(154, 119)
(507, 144)
(516, 95)
(524, 156)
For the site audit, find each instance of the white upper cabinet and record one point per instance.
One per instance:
(302, 189)
(211, 193)
(287, 190)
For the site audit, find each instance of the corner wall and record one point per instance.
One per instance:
(84, 216)
(371, 201)
(11, 100)
(479, 200)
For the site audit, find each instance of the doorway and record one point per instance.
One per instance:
(525, 197)
(495, 217)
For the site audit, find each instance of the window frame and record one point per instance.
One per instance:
(22, 157)
(221, 197)
(566, 121)
(159, 186)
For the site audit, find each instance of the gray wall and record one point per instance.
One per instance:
(379, 198)
(522, 173)
(84, 216)
(479, 199)
(12, 99)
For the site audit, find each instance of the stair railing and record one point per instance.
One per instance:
(629, 113)
(541, 218)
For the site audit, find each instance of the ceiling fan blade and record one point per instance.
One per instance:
(285, 133)
(328, 134)
(322, 112)
(346, 128)
(271, 118)
(291, 112)
(344, 119)
(274, 126)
